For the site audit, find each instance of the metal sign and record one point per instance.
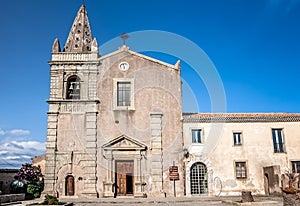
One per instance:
(173, 173)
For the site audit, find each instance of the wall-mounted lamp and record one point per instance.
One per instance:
(186, 153)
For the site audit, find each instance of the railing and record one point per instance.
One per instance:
(61, 56)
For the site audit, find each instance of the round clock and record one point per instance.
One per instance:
(123, 66)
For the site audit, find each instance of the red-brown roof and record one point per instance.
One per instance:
(241, 117)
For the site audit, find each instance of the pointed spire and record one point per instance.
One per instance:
(177, 65)
(95, 45)
(55, 46)
(80, 36)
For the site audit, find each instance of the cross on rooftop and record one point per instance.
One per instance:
(124, 36)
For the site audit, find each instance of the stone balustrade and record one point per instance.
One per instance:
(62, 56)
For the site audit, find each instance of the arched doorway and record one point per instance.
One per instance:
(198, 178)
(70, 185)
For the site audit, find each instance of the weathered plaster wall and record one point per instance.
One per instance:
(157, 88)
(256, 150)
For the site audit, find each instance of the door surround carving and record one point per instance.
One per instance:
(124, 148)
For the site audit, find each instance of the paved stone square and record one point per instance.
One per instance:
(178, 201)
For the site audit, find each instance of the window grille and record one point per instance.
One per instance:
(241, 170)
(198, 179)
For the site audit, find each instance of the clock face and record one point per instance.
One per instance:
(123, 66)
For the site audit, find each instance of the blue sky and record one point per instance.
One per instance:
(254, 45)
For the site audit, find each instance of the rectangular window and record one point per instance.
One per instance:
(240, 170)
(196, 136)
(278, 141)
(237, 138)
(123, 94)
(296, 166)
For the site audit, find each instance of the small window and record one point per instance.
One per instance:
(123, 94)
(73, 88)
(278, 141)
(237, 138)
(196, 136)
(240, 170)
(296, 166)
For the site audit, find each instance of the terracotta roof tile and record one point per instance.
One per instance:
(241, 117)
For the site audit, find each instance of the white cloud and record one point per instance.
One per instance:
(15, 132)
(17, 148)
(3, 152)
(11, 157)
(19, 132)
(14, 153)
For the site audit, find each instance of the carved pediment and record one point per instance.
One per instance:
(124, 143)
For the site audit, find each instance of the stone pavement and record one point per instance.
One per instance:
(172, 201)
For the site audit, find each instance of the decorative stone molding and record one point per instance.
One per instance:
(72, 108)
(123, 148)
(62, 56)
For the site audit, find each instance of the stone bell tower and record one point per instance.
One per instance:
(71, 148)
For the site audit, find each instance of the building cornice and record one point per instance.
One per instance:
(72, 101)
(241, 117)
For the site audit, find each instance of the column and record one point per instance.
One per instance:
(50, 167)
(138, 180)
(90, 162)
(157, 156)
(108, 184)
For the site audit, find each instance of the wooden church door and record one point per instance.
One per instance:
(70, 187)
(124, 177)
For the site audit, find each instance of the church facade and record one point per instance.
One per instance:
(114, 121)
(115, 128)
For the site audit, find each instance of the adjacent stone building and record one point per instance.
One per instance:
(115, 126)
(114, 121)
(231, 152)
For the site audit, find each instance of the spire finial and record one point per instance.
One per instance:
(124, 36)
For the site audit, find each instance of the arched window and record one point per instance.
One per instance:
(73, 88)
(198, 179)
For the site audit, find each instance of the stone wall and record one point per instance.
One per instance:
(40, 161)
(11, 198)
(6, 178)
